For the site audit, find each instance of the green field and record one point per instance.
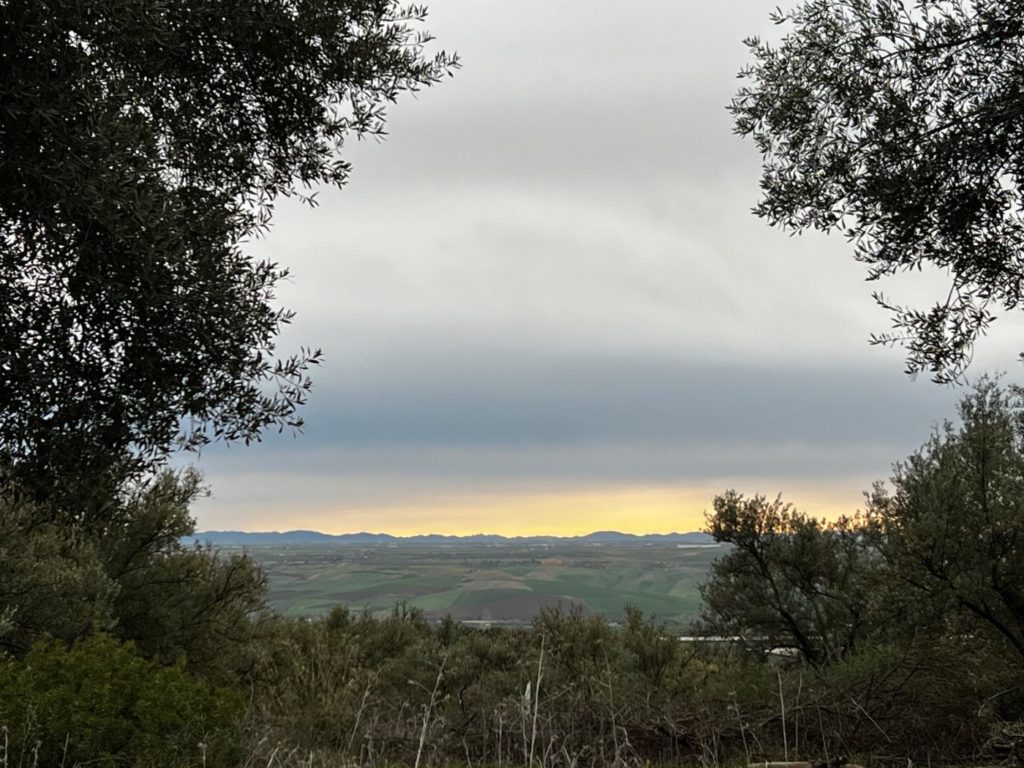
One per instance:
(490, 583)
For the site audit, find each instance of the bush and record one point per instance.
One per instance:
(100, 702)
(52, 580)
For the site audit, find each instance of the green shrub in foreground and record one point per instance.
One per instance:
(100, 702)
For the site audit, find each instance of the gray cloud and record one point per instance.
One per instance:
(509, 417)
(493, 396)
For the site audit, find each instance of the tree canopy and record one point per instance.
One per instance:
(938, 555)
(899, 125)
(789, 581)
(952, 529)
(141, 145)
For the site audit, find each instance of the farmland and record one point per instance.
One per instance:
(506, 583)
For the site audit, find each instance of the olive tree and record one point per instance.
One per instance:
(141, 146)
(937, 555)
(951, 530)
(898, 124)
(137, 580)
(790, 581)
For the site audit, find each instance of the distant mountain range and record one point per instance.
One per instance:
(275, 538)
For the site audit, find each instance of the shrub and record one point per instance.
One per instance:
(100, 702)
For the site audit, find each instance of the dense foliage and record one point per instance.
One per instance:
(952, 530)
(100, 703)
(140, 145)
(899, 125)
(135, 580)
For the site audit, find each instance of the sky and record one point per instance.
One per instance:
(545, 306)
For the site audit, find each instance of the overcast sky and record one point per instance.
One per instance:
(545, 305)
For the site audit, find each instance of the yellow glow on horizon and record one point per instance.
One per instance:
(562, 513)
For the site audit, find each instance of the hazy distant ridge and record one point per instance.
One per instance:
(243, 538)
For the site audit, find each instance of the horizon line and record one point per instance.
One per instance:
(453, 535)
